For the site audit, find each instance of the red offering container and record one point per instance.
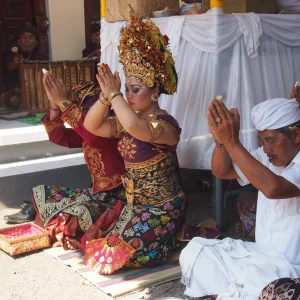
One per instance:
(23, 238)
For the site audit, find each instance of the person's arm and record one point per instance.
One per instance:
(226, 133)
(59, 134)
(72, 114)
(54, 125)
(96, 123)
(127, 118)
(221, 164)
(75, 118)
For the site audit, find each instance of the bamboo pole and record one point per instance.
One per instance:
(87, 74)
(73, 76)
(27, 88)
(33, 101)
(22, 85)
(39, 87)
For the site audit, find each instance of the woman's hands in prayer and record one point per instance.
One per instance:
(55, 90)
(223, 124)
(108, 81)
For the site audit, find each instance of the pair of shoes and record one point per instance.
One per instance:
(26, 214)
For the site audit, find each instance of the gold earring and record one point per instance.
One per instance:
(154, 97)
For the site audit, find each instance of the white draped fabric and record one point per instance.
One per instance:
(246, 58)
(289, 5)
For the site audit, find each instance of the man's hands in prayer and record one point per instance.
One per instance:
(55, 89)
(223, 124)
(295, 93)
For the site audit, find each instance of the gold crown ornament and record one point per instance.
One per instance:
(145, 55)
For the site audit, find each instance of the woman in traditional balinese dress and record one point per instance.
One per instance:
(68, 213)
(149, 136)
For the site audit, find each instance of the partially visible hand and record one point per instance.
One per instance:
(96, 53)
(55, 89)
(108, 81)
(223, 124)
(16, 60)
(295, 93)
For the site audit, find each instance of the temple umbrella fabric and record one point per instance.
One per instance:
(107, 255)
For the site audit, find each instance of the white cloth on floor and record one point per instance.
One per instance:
(275, 113)
(234, 269)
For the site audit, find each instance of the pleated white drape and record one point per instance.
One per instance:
(246, 58)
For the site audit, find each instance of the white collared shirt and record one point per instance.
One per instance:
(277, 220)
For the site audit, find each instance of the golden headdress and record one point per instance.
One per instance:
(144, 54)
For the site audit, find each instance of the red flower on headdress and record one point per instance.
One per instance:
(166, 38)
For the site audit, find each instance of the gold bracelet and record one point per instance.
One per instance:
(104, 100)
(113, 95)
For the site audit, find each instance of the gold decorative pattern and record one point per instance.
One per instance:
(124, 218)
(144, 54)
(153, 117)
(94, 162)
(72, 115)
(127, 147)
(155, 184)
(113, 125)
(156, 125)
(152, 161)
(156, 130)
(53, 125)
(105, 182)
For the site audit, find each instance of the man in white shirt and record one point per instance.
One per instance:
(232, 269)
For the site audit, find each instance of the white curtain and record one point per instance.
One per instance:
(246, 58)
(289, 5)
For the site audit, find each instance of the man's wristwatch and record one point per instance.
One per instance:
(63, 106)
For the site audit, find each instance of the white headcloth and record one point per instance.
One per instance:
(275, 114)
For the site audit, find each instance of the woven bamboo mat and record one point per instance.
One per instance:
(121, 282)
